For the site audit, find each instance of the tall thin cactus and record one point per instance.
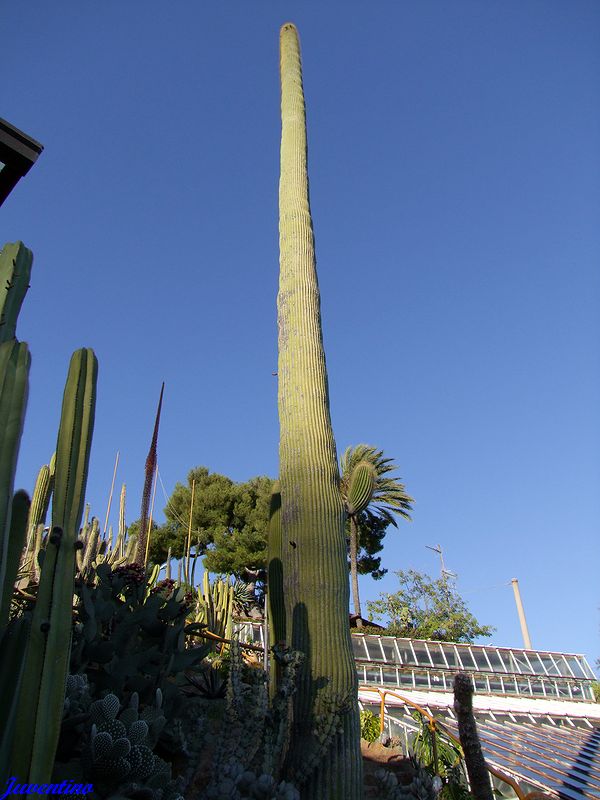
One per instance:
(15, 272)
(47, 660)
(479, 777)
(14, 386)
(313, 550)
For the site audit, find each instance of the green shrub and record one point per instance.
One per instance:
(369, 726)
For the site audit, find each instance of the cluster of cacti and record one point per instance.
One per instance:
(40, 500)
(35, 647)
(422, 786)
(129, 639)
(214, 608)
(307, 548)
(255, 736)
(119, 758)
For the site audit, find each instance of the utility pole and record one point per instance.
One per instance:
(521, 612)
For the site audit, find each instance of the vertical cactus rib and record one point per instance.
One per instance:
(15, 271)
(312, 514)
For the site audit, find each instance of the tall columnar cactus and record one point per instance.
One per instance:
(40, 500)
(14, 385)
(47, 659)
(15, 271)
(479, 777)
(313, 550)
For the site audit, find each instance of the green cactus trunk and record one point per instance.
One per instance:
(14, 386)
(313, 555)
(15, 272)
(47, 661)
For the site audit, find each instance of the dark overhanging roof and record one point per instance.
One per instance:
(18, 153)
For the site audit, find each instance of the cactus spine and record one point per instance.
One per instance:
(47, 659)
(314, 561)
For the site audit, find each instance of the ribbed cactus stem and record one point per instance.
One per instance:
(314, 561)
(479, 777)
(14, 386)
(18, 528)
(276, 610)
(15, 272)
(40, 499)
(46, 668)
(91, 546)
(360, 490)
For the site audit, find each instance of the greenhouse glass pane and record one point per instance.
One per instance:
(406, 654)
(358, 647)
(373, 649)
(576, 667)
(480, 659)
(450, 653)
(373, 675)
(536, 663)
(390, 650)
(467, 659)
(406, 678)
(561, 663)
(550, 665)
(496, 661)
(421, 654)
(435, 652)
(390, 676)
(421, 680)
(519, 662)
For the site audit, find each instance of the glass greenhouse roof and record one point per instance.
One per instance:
(560, 759)
(395, 663)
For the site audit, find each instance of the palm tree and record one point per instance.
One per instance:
(368, 489)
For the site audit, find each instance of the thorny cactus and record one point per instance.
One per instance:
(310, 552)
(119, 757)
(255, 737)
(479, 777)
(421, 787)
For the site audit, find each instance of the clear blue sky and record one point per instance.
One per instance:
(455, 180)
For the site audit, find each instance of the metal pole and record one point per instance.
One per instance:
(521, 612)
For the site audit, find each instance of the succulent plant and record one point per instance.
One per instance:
(311, 545)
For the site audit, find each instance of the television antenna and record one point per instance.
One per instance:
(446, 573)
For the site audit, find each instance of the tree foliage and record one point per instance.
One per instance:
(425, 608)
(229, 522)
